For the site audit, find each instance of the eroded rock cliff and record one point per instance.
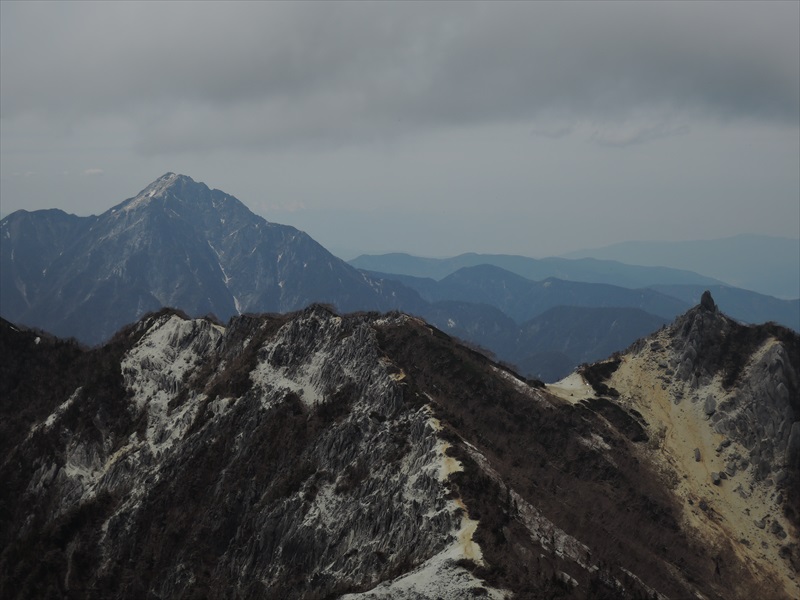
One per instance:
(315, 455)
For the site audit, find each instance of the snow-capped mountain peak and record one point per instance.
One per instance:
(158, 189)
(177, 243)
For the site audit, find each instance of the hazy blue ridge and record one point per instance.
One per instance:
(522, 299)
(425, 286)
(553, 343)
(765, 264)
(587, 270)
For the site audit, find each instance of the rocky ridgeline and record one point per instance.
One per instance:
(280, 507)
(315, 455)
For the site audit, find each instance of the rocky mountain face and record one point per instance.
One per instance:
(719, 403)
(314, 455)
(176, 243)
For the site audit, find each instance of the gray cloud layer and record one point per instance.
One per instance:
(202, 76)
(435, 128)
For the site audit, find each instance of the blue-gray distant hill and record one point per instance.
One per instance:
(550, 345)
(522, 299)
(587, 270)
(549, 327)
(765, 264)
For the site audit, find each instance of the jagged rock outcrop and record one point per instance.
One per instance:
(731, 393)
(748, 378)
(707, 302)
(315, 455)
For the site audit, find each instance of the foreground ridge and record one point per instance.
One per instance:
(317, 455)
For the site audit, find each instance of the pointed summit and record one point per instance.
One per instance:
(707, 302)
(163, 183)
(181, 244)
(157, 189)
(168, 185)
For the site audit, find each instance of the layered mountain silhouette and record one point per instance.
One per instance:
(765, 264)
(549, 346)
(181, 244)
(319, 455)
(522, 299)
(510, 282)
(546, 328)
(588, 270)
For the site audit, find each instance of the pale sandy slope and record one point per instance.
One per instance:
(738, 511)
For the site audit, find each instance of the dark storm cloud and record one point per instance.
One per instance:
(204, 75)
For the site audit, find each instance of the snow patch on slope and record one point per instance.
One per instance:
(55, 415)
(301, 381)
(154, 190)
(573, 388)
(441, 575)
(438, 577)
(521, 386)
(155, 370)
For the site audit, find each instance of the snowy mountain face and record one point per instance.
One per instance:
(177, 243)
(313, 455)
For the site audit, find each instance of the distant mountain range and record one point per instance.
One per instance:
(587, 270)
(180, 244)
(522, 298)
(765, 264)
(550, 345)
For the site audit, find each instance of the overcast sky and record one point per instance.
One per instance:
(432, 128)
